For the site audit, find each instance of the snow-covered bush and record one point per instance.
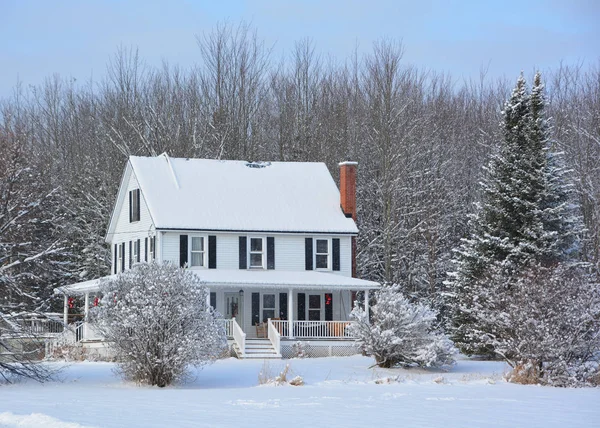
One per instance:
(158, 321)
(401, 333)
(546, 325)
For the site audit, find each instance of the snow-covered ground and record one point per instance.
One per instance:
(338, 392)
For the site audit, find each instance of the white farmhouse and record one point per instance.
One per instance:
(275, 243)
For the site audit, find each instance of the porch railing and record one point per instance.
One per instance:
(239, 337)
(229, 327)
(313, 329)
(274, 336)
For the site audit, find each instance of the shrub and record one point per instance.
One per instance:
(158, 321)
(401, 333)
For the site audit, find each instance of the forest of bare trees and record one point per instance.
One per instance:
(420, 136)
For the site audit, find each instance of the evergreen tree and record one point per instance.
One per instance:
(524, 219)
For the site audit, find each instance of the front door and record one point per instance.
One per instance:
(234, 307)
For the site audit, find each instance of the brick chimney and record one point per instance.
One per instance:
(348, 188)
(348, 199)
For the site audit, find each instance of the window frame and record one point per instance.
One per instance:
(263, 252)
(205, 252)
(119, 258)
(134, 205)
(310, 309)
(263, 308)
(135, 257)
(329, 253)
(151, 248)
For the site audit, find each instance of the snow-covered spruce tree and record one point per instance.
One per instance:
(158, 322)
(401, 333)
(525, 218)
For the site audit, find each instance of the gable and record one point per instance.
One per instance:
(203, 194)
(120, 221)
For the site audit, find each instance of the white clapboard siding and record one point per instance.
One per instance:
(289, 251)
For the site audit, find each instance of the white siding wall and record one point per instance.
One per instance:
(289, 251)
(126, 231)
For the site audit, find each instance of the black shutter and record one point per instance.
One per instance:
(212, 252)
(301, 307)
(336, 253)
(255, 307)
(123, 257)
(137, 205)
(213, 300)
(270, 252)
(283, 307)
(328, 307)
(130, 208)
(153, 247)
(115, 264)
(308, 253)
(130, 255)
(244, 256)
(145, 249)
(183, 250)
(138, 248)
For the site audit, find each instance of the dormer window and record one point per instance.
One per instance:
(134, 205)
(198, 252)
(322, 254)
(257, 250)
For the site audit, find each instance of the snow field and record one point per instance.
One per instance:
(339, 392)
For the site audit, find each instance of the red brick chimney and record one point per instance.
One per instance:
(348, 199)
(348, 188)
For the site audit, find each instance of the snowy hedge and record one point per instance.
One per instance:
(158, 321)
(401, 333)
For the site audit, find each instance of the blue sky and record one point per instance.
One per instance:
(77, 38)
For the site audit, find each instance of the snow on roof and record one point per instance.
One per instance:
(281, 279)
(207, 194)
(252, 278)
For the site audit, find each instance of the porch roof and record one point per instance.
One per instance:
(251, 278)
(282, 279)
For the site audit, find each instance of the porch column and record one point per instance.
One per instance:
(290, 313)
(367, 303)
(66, 309)
(85, 314)
(208, 300)
(86, 309)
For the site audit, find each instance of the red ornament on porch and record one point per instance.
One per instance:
(96, 301)
(71, 302)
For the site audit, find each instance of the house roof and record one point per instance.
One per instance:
(241, 278)
(204, 194)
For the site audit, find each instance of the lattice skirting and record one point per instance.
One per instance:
(317, 349)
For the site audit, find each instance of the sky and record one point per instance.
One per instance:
(77, 38)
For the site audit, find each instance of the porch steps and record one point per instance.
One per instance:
(258, 349)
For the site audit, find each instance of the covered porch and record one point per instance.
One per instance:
(259, 307)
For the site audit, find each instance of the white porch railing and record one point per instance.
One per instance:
(229, 327)
(274, 336)
(239, 337)
(314, 329)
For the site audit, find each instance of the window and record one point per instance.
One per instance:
(322, 254)
(198, 251)
(134, 205)
(256, 252)
(268, 306)
(314, 307)
(136, 251)
(152, 251)
(120, 258)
